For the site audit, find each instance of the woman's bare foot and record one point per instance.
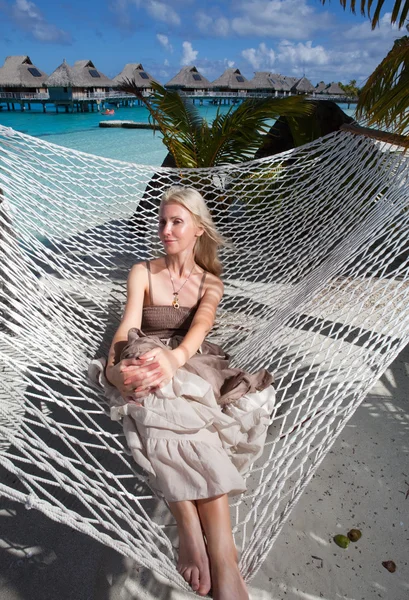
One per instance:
(228, 584)
(193, 562)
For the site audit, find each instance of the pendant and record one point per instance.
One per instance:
(175, 301)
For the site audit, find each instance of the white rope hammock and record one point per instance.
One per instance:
(317, 291)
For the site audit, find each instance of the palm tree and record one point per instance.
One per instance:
(231, 138)
(384, 99)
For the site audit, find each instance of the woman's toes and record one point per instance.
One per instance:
(203, 590)
(194, 579)
(186, 574)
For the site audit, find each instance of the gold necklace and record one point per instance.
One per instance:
(175, 301)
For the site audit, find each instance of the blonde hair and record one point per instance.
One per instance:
(206, 247)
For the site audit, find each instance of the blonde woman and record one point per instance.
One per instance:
(180, 397)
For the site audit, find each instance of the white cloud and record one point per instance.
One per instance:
(29, 9)
(164, 40)
(204, 22)
(161, 12)
(291, 19)
(376, 43)
(166, 62)
(259, 58)
(189, 55)
(230, 63)
(320, 63)
(301, 54)
(28, 17)
(317, 62)
(219, 26)
(363, 31)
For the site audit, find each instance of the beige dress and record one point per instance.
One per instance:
(197, 435)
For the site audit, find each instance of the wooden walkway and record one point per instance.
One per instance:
(127, 124)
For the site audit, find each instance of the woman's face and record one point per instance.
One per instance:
(177, 229)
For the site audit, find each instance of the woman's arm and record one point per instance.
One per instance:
(117, 371)
(202, 323)
(171, 360)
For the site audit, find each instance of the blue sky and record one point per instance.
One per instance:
(292, 37)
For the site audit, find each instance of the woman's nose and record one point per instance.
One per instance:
(167, 228)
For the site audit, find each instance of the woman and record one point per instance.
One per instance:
(186, 385)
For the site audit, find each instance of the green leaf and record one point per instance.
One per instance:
(399, 14)
(384, 99)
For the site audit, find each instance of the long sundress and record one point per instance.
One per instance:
(197, 435)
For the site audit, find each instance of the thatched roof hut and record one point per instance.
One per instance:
(261, 82)
(189, 78)
(290, 80)
(82, 75)
(303, 86)
(63, 76)
(279, 83)
(333, 89)
(19, 72)
(135, 72)
(264, 81)
(232, 80)
(90, 76)
(320, 87)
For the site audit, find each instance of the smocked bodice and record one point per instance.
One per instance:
(167, 321)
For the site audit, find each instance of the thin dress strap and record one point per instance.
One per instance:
(148, 266)
(201, 286)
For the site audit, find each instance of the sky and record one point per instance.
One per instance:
(291, 37)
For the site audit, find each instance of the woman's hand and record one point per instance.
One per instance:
(168, 362)
(129, 374)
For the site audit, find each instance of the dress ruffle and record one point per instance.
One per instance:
(180, 435)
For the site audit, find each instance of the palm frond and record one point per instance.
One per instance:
(178, 120)
(233, 137)
(236, 135)
(384, 99)
(399, 14)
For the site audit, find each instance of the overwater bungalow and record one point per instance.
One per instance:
(291, 81)
(262, 83)
(189, 81)
(320, 87)
(267, 83)
(231, 81)
(80, 86)
(280, 85)
(333, 89)
(303, 86)
(21, 82)
(135, 72)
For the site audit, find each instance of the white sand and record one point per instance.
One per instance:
(361, 483)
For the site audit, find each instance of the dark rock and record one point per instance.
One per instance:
(327, 118)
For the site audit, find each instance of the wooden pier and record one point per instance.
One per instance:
(127, 124)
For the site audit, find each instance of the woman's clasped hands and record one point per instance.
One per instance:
(137, 377)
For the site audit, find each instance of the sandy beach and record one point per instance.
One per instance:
(363, 483)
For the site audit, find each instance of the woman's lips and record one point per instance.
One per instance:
(169, 241)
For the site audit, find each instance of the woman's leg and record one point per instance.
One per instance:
(227, 582)
(193, 562)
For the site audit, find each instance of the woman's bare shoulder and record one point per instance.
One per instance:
(139, 267)
(138, 274)
(213, 283)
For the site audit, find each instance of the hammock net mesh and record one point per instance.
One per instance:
(316, 290)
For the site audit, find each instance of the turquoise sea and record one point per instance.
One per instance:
(81, 131)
